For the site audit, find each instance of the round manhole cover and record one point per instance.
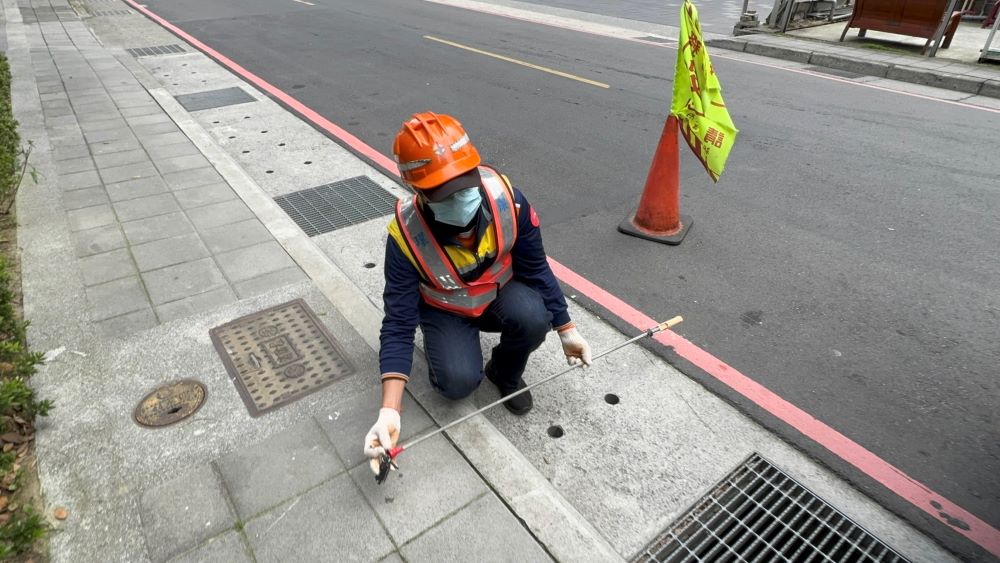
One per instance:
(170, 403)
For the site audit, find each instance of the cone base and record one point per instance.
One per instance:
(673, 238)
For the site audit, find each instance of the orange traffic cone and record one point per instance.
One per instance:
(658, 217)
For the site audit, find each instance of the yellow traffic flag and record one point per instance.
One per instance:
(704, 119)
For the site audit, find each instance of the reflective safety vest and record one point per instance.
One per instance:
(442, 285)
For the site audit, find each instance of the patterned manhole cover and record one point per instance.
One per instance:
(170, 403)
(279, 355)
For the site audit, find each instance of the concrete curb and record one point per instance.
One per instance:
(551, 518)
(914, 75)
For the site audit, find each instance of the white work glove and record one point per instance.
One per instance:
(383, 436)
(575, 347)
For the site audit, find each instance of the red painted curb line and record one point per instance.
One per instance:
(865, 461)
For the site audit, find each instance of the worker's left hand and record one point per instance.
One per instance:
(575, 347)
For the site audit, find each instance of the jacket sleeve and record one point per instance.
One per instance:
(401, 302)
(530, 264)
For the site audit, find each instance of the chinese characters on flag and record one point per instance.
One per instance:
(697, 102)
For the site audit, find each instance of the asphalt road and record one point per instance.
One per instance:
(847, 260)
(717, 16)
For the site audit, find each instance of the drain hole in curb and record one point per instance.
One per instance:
(269, 171)
(246, 117)
(369, 265)
(245, 152)
(611, 399)
(264, 131)
(214, 122)
(232, 136)
(555, 431)
(281, 144)
(308, 162)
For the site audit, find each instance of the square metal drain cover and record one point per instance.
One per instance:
(279, 355)
(214, 98)
(155, 50)
(341, 204)
(759, 513)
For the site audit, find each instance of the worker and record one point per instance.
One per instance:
(464, 255)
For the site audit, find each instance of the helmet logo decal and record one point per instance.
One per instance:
(439, 150)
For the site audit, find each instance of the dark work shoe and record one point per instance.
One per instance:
(519, 405)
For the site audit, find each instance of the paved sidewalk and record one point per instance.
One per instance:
(973, 79)
(134, 247)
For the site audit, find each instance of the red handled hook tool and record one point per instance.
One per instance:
(387, 461)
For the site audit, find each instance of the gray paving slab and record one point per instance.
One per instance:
(107, 134)
(498, 537)
(127, 172)
(226, 548)
(179, 163)
(431, 483)
(122, 158)
(204, 195)
(330, 523)
(79, 180)
(150, 140)
(182, 513)
(168, 252)
(253, 261)
(195, 304)
(131, 189)
(81, 164)
(183, 280)
(87, 197)
(116, 298)
(141, 110)
(160, 152)
(127, 324)
(192, 178)
(90, 217)
(217, 214)
(118, 145)
(101, 268)
(267, 282)
(101, 239)
(284, 465)
(149, 119)
(347, 425)
(67, 153)
(155, 228)
(148, 206)
(157, 128)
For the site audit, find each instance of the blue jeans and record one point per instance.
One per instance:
(452, 342)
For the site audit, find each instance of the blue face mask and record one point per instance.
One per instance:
(459, 208)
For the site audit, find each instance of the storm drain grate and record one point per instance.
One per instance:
(155, 50)
(279, 355)
(758, 513)
(210, 99)
(341, 204)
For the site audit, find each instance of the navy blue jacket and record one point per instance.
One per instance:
(401, 297)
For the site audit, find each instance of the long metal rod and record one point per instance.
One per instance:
(662, 326)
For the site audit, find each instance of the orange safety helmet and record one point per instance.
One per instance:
(432, 148)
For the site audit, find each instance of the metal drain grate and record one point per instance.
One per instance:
(341, 204)
(155, 50)
(758, 513)
(214, 99)
(279, 355)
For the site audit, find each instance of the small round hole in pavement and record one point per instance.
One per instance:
(281, 144)
(611, 399)
(555, 431)
(245, 152)
(246, 117)
(215, 122)
(308, 162)
(369, 264)
(264, 131)
(269, 171)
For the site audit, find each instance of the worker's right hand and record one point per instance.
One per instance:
(383, 436)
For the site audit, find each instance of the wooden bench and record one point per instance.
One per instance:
(916, 18)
